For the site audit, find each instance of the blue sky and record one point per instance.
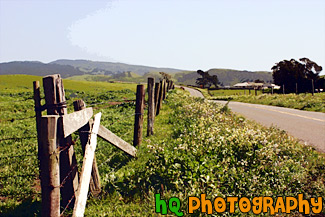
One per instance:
(191, 34)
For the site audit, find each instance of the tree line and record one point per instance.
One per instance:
(293, 76)
(298, 76)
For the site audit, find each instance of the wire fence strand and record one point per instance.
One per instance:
(18, 156)
(18, 138)
(16, 119)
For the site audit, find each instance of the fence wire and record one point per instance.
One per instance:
(20, 194)
(16, 101)
(18, 138)
(18, 156)
(16, 176)
(16, 119)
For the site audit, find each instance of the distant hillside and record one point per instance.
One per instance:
(108, 72)
(38, 68)
(107, 68)
(124, 77)
(227, 77)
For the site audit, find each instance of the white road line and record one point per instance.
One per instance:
(288, 113)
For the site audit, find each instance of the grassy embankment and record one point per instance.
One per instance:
(306, 102)
(198, 147)
(301, 101)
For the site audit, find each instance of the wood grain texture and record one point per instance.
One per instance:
(55, 96)
(50, 181)
(95, 184)
(74, 121)
(81, 196)
(151, 106)
(139, 109)
(116, 141)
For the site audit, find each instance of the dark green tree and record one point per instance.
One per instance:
(215, 80)
(206, 79)
(296, 76)
(259, 81)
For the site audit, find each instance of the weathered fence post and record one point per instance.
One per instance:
(94, 185)
(157, 88)
(249, 91)
(56, 105)
(164, 90)
(168, 83)
(272, 88)
(255, 91)
(38, 114)
(139, 109)
(50, 167)
(296, 88)
(161, 93)
(151, 106)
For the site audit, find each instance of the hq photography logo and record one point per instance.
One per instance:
(257, 205)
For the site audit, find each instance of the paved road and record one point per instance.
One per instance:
(193, 92)
(309, 127)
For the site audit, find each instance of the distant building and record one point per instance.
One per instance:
(249, 85)
(253, 85)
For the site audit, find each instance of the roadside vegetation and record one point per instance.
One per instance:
(306, 102)
(198, 147)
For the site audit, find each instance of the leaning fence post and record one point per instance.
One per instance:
(56, 105)
(94, 185)
(151, 106)
(139, 109)
(157, 88)
(50, 167)
(81, 198)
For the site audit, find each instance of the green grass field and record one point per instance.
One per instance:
(198, 147)
(18, 83)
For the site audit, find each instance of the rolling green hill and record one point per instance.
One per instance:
(108, 72)
(107, 68)
(38, 68)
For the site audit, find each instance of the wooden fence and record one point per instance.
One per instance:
(61, 185)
